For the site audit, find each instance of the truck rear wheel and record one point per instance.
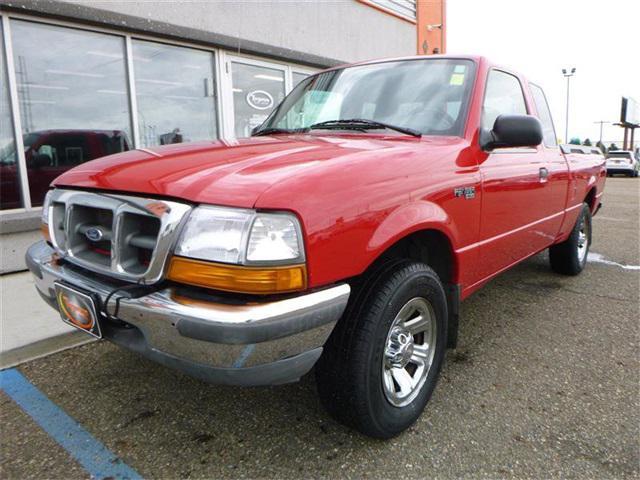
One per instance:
(381, 363)
(570, 256)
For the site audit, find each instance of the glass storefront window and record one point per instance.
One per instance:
(296, 78)
(256, 92)
(9, 180)
(72, 90)
(175, 93)
(74, 104)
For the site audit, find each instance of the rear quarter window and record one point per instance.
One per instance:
(544, 115)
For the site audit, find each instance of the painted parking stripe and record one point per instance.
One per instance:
(244, 355)
(94, 457)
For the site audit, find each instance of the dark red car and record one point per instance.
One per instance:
(49, 153)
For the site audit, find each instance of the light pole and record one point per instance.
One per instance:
(568, 76)
(601, 122)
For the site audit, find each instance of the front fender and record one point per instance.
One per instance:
(407, 219)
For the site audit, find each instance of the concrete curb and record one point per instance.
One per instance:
(42, 348)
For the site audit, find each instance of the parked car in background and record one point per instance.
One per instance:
(581, 149)
(622, 162)
(343, 234)
(49, 153)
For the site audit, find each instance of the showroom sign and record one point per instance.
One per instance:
(260, 100)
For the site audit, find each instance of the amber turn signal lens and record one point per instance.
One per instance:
(240, 279)
(44, 230)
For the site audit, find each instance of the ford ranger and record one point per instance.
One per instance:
(342, 235)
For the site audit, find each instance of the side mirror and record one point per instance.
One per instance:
(511, 131)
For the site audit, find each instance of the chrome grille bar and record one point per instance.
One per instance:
(137, 233)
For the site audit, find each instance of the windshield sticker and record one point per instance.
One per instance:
(457, 79)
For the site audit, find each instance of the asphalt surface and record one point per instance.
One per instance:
(545, 383)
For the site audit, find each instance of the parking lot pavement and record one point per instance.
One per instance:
(545, 383)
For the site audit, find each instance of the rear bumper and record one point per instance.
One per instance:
(217, 341)
(620, 169)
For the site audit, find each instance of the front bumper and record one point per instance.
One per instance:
(246, 343)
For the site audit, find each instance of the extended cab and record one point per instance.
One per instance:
(343, 234)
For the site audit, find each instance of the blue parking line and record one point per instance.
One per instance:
(94, 457)
(244, 355)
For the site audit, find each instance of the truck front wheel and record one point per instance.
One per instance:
(570, 256)
(381, 363)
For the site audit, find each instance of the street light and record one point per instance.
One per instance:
(601, 122)
(568, 76)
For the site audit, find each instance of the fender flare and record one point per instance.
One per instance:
(411, 218)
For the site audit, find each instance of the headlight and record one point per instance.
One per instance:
(274, 238)
(45, 207)
(44, 225)
(215, 234)
(240, 250)
(243, 237)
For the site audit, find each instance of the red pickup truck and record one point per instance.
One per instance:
(343, 234)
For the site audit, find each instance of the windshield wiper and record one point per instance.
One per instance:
(271, 131)
(363, 124)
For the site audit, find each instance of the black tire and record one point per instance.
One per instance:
(350, 372)
(567, 257)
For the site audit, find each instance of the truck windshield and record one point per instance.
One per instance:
(428, 96)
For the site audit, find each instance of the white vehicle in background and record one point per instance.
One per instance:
(622, 162)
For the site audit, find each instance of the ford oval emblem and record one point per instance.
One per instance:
(94, 234)
(260, 100)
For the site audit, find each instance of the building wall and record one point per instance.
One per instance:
(326, 32)
(292, 38)
(431, 28)
(343, 30)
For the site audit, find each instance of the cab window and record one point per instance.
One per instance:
(503, 96)
(544, 115)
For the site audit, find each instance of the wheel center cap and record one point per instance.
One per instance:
(399, 348)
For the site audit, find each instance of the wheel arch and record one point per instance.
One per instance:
(590, 199)
(429, 245)
(428, 241)
(416, 224)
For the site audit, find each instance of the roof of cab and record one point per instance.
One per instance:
(474, 58)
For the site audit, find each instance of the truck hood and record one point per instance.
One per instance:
(232, 173)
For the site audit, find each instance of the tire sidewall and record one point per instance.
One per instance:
(585, 214)
(396, 419)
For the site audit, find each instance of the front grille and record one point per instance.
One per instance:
(122, 236)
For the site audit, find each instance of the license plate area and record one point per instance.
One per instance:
(78, 309)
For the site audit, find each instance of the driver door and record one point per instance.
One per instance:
(514, 185)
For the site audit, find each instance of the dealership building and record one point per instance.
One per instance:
(80, 80)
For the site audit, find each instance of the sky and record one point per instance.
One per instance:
(539, 38)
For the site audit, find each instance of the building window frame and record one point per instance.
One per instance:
(14, 103)
(221, 67)
(381, 8)
(255, 61)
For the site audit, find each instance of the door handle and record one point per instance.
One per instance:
(543, 174)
